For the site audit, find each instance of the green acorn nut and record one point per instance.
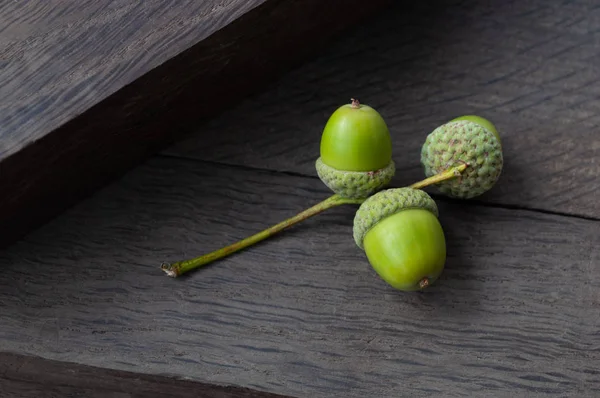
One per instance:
(468, 139)
(356, 152)
(400, 233)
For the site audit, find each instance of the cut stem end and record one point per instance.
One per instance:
(167, 268)
(423, 283)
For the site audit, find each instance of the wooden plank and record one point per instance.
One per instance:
(516, 313)
(63, 57)
(33, 377)
(531, 67)
(90, 88)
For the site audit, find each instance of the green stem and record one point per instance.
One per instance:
(448, 174)
(181, 267)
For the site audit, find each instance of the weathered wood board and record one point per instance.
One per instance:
(517, 311)
(529, 66)
(90, 88)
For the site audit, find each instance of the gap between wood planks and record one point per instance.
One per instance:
(436, 196)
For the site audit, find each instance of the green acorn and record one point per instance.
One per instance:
(402, 238)
(468, 139)
(356, 152)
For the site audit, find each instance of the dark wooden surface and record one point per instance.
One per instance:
(34, 377)
(516, 312)
(517, 309)
(91, 88)
(531, 67)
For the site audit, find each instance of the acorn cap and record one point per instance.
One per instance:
(459, 142)
(355, 184)
(387, 203)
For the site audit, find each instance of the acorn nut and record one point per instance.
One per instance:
(402, 238)
(355, 152)
(467, 139)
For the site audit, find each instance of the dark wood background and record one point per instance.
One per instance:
(516, 312)
(91, 88)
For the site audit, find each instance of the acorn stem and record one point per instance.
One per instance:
(448, 174)
(181, 267)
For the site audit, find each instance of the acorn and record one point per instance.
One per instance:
(356, 152)
(468, 139)
(400, 233)
(482, 122)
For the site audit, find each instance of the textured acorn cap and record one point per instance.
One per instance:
(387, 203)
(355, 184)
(463, 141)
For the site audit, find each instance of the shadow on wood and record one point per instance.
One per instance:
(32, 377)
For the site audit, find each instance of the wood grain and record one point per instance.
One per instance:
(33, 377)
(529, 66)
(90, 89)
(516, 313)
